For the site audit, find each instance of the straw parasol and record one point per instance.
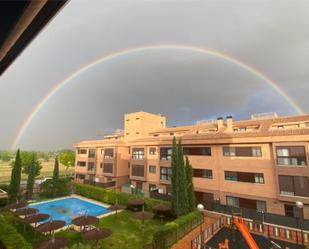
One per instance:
(97, 234)
(26, 211)
(143, 215)
(35, 218)
(16, 205)
(161, 209)
(50, 226)
(53, 243)
(85, 220)
(116, 207)
(136, 203)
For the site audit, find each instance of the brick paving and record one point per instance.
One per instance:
(185, 242)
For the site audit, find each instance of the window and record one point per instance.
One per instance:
(108, 168)
(101, 165)
(242, 151)
(244, 177)
(152, 151)
(152, 187)
(242, 129)
(91, 153)
(261, 206)
(81, 163)
(90, 166)
(165, 153)
(197, 151)
(232, 201)
(108, 153)
(293, 211)
(81, 151)
(294, 185)
(280, 127)
(307, 124)
(166, 173)
(138, 153)
(202, 173)
(80, 176)
(137, 170)
(291, 155)
(152, 169)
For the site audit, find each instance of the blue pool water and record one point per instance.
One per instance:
(69, 208)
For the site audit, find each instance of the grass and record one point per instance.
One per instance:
(127, 232)
(46, 171)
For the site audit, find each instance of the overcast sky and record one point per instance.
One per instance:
(184, 85)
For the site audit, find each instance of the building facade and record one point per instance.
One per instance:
(259, 164)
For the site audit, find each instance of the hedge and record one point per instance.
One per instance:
(171, 232)
(10, 238)
(3, 201)
(110, 196)
(63, 188)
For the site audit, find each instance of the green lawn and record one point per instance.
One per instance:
(47, 170)
(126, 232)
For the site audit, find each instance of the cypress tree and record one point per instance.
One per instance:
(15, 179)
(190, 187)
(183, 208)
(31, 176)
(174, 177)
(56, 170)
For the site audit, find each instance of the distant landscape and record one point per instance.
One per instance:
(47, 160)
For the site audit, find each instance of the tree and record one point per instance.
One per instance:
(67, 158)
(5, 156)
(56, 171)
(179, 187)
(31, 176)
(26, 162)
(15, 179)
(190, 187)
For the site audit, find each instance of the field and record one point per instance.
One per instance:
(47, 170)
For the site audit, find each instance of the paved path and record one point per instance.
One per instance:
(185, 242)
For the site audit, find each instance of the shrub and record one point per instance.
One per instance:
(173, 231)
(10, 238)
(110, 196)
(4, 201)
(62, 188)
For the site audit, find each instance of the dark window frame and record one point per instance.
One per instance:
(138, 153)
(165, 173)
(301, 160)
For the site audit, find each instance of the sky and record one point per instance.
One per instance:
(183, 84)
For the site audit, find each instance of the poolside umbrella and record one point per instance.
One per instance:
(116, 207)
(26, 211)
(85, 220)
(143, 215)
(97, 234)
(16, 205)
(161, 209)
(53, 243)
(136, 202)
(50, 226)
(35, 218)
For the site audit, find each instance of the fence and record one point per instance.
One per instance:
(268, 230)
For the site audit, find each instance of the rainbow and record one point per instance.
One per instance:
(128, 51)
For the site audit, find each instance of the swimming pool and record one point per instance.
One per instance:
(68, 208)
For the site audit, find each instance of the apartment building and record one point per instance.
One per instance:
(261, 163)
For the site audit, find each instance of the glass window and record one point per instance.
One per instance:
(166, 173)
(81, 151)
(202, 173)
(108, 168)
(165, 153)
(90, 166)
(197, 151)
(108, 153)
(91, 153)
(261, 206)
(232, 201)
(259, 178)
(137, 170)
(242, 151)
(138, 153)
(291, 155)
(152, 169)
(81, 163)
(152, 151)
(231, 176)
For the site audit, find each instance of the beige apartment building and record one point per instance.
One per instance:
(261, 163)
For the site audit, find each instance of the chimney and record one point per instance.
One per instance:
(229, 123)
(220, 123)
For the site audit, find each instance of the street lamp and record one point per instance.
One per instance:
(200, 208)
(300, 206)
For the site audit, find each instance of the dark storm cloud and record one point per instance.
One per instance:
(185, 86)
